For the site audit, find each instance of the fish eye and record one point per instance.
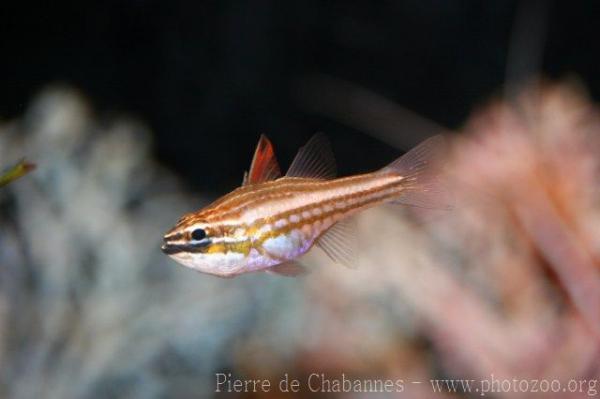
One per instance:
(198, 234)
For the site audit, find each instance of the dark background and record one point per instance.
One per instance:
(209, 77)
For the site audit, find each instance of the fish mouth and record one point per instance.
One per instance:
(172, 249)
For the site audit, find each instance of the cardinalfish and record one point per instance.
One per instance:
(271, 220)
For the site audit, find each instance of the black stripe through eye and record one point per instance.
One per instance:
(198, 234)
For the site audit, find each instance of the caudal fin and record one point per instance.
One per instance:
(420, 168)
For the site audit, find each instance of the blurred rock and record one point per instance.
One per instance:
(89, 306)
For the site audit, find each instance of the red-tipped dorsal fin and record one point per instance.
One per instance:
(314, 160)
(264, 165)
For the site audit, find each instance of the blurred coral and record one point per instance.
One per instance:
(504, 285)
(16, 171)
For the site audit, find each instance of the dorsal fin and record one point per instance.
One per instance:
(315, 159)
(264, 165)
(339, 242)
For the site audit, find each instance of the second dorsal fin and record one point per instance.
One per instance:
(315, 159)
(264, 165)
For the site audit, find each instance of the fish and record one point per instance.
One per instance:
(271, 220)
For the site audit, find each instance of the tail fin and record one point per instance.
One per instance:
(420, 168)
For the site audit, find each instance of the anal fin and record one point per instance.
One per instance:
(288, 269)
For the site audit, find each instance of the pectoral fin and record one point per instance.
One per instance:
(339, 243)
